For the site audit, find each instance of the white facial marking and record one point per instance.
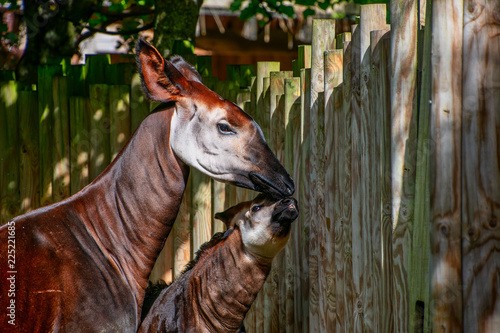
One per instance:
(257, 235)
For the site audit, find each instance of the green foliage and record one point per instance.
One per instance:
(267, 7)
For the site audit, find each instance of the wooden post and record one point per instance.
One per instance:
(480, 167)
(446, 116)
(323, 39)
(344, 294)
(46, 116)
(139, 105)
(380, 85)
(80, 142)
(119, 108)
(333, 78)
(304, 194)
(404, 24)
(9, 152)
(291, 155)
(420, 274)
(61, 148)
(29, 173)
(182, 234)
(262, 116)
(99, 129)
(201, 210)
(163, 268)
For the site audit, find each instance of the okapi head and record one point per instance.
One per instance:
(208, 132)
(264, 223)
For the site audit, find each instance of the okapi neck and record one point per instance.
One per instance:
(133, 204)
(226, 283)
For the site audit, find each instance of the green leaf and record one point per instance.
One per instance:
(309, 12)
(287, 10)
(324, 5)
(4, 27)
(248, 12)
(236, 5)
(11, 36)
(306, 2)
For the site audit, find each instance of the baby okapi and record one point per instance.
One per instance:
(218, 287)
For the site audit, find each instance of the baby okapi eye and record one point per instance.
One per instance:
(255, 209)
(225, 129)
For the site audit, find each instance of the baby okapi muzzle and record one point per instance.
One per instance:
(218, 287)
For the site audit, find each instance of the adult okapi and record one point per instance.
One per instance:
(219, 286)
(82, 265)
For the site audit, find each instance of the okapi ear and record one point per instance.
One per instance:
(225, 218)
(186, 68)
(161, 81)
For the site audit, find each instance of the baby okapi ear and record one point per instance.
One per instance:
(161, 81)
(225, 218)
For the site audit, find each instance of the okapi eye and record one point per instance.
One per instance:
(255, 209)
(224, 129)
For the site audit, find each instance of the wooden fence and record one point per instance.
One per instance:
(391, 134)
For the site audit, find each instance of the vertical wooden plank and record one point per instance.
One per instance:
(263, 116)
(80, 143)
(119, 104)
(446, 115)
(420, 275)
(380, 85)
(480, 167)
(366, 204)
(61, 149)
(404, 22)
(277, 142)
(332, 79)
(99, 129)
(182, 234)
(344, 293)
(201, 210)
(356, 222)
(323, 38)
(9, 152)
(304, 193)
(46, 116)
(218, 204)
(292, 142)
(163, 268)
(139, 104)
(29, 173)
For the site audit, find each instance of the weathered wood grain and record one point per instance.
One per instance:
(29, 173)
(404, 23)
(366, 205)
(119, 109)
(61, 148)
(304, 193)
(333, 75)
(481, 166)
(163, 268)
(9, 152)
(139, 105)
(292, 142)
(420, 274)
(99, 129)
(79, 132)
(323, 39)
(46, 116)
(201, 209)
(182, 234)
(445, 165)
(380, 85)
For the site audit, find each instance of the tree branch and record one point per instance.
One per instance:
(92, 31)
